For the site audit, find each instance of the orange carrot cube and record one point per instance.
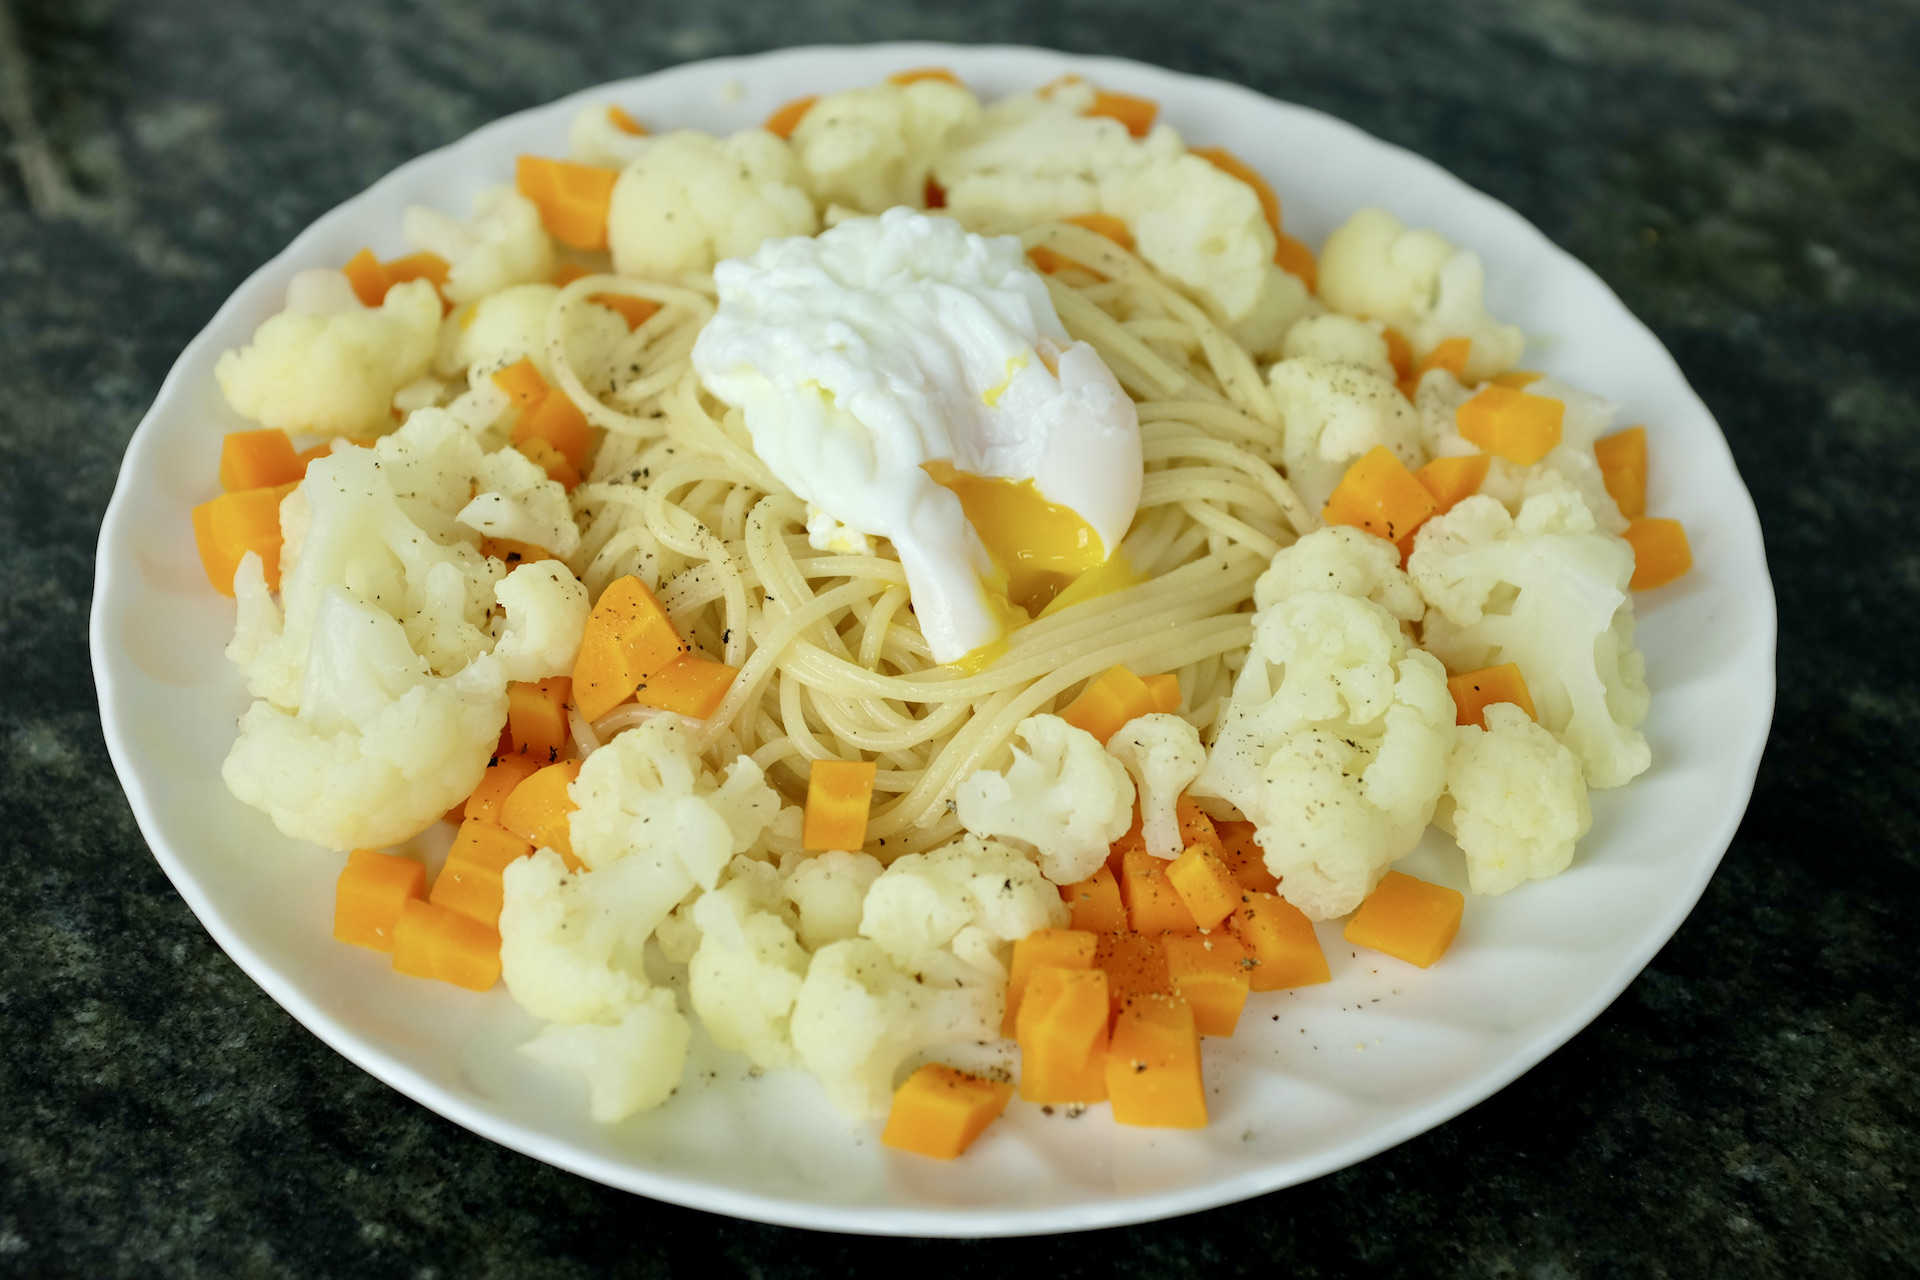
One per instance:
(1135, 965)
(258, 460)
(522, 382)
(625, 123)
(1204, 884)
(1516, 378)
(504, 773)
(1104, 224)
(1512, 424)
(1095, 903)
(1378, 494)
(1281, 942)
(1660, 552)
(430, 267)
(1450, 354)
(635, 311)
(1244, 856)
(939, 1111)
(1152, 904)
(1165, 690)
(1044, 948)
(628, 637)
(786, 119)
(1623, 467)
(553, 462)
(369, 894)
(370, 280)
(689, 684)
(537, 717)
(470, 881)
(1232, 165)
(1295, 258)
(1108, 702)
(572, 198)
(1153, 1066)
(1213, 974)
(1451, 479)
(539, 810)
(435, 942)
(839, 799)
(1062, 1033)
(1474, 691)
(233, 524)
(1135, 113)
(918, 74)
(556, 419)
(1408, 919)
(1399, 354)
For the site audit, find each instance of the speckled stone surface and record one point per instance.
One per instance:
(1746, 176)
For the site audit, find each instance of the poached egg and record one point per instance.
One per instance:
(910, 380)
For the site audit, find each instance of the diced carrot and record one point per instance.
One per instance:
(369, 894)
(784, 121)
(1623, 466)
(1228, 163)
(1062, 1033)
(1106, 704)
(839, 798)
(553, 462)
(470, 881)
(939, 1111)
(1214, 975)
(539, 809)
(522, 382)
(572, 198)
(1399, 354)
(1281, 942)
(430, 267)
(617, 115)
(1408, 919)
(257, 460)
(689, 685)
(1474, 691)
(1244, 856)
(369, 278)
(1153, 1066)
(307, 457)
(1165, 689)
(1378, 494)
(567, 273)
(628, 638)
(233, 524)
(504, 773)
(435, 942)
(537, 717)
(1095, 903)
(514, 553)
(1104, 224)
(1047, 262)
(635, 311)
(1516, 378)
(1135, 113)
(557, 420)
(1056, 948)
(918, 74)
(1295, 258)
(1660, 552)
(1135, 965)
(1450, 480)
(1450, 354)
(1152, 904)
(1510, 424)
(1195, 826)
(1204, 884)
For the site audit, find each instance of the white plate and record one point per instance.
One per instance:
(1315, 1079)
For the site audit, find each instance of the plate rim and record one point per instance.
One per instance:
(110, 591)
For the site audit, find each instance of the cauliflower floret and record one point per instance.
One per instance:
(333, 374)
(503, 244)
(690, 200)
(872, 149)
(498, 330)
(859, 1016)
(571, 942)
(921, 902)
(1203, 227)
(1334, 412)
(747, 973)
(1344, 560)
(829, 891)
(322, 291)
(1546, 590)
(1516, 801)
(519, 501)
(546, 616)
(630, 1066)
(1164, 755)
(1335, 740)
(1341, 340)
(1414, 281)
(1063, 795)
(647, 791)
(1568, 466)
(593, 138)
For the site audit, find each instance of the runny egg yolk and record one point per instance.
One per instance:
(1042, 547)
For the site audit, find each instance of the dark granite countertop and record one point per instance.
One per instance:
(1746, 176)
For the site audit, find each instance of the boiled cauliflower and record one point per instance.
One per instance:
(502, 327)
(1339, 339)
(519, 501)
(1164, 755)
(631, 1065)
(923, 902)
(1547, 590)
(1346, 561)
(1516, 802)
(747, 973)
(1414, 281)
(333, 374)
(1335, 740)
(1334, 412)
(571, 942)
(689, 200)
(1568, 466)
(503, 244)
(872, 149)
(593, 138)
(859, 1016)
(829, 892)
(322, 291)
(1063, 795)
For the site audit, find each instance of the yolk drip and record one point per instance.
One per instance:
(1042, 546)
